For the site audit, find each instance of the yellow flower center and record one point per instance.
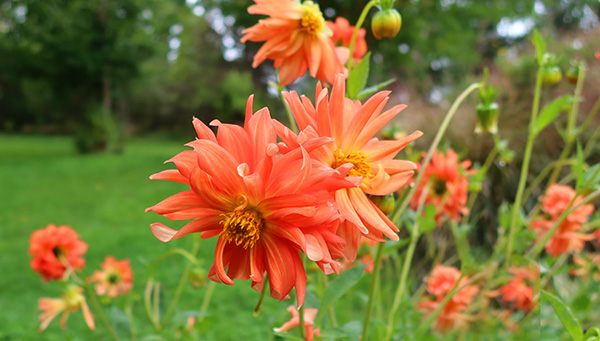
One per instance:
(360, 167)
(242, 227)
(312, 21)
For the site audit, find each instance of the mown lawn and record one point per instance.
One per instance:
(44, 181)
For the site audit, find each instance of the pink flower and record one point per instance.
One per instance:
(309, 320)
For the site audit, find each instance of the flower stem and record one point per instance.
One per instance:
(525, 166)
(148, 302)
(438, 137)
(372, 290)
(181, 285)
(130, 320)
(357, 27)
(206, 300)
(288, 111)
(99, 311)
(303, 335)
(261, 298)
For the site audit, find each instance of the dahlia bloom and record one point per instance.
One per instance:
(439, 284)
(447, 185)
(342, 36)
(71, 300)
(519, 290)
(565, 239)
(309, 320)
(264, 207)
(587, 266)
(296, 38)
(53, 248)
(354, 152)
(115, 278)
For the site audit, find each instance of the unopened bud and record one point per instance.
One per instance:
(487, 118)
(385, 203)
(386, 23)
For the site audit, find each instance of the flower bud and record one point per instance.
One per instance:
(386, 23)
(385, 203)
(197, 277)
(487, 118)
(572, 74)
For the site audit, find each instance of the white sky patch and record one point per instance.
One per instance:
(199, 10)
(539, 7)
(589, 20)
(191, 2)
(174, 43)
(514, 28)
(176, 29)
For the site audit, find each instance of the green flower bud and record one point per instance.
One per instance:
(487, 118)
(386, 23)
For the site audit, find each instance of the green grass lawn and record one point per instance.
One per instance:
(44, 181)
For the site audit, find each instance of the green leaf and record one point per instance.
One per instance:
(358, 77)
(591, 178)
(427, 222)
(338, 287)
(540, 46)
(565, 316)
(549, 113)
(373, 89)
(289, 337)
(392, 246)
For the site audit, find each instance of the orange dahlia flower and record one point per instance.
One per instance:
(587, 266)
(565, 239)
(116, 277)
(439, 284)
(342, 36)
(71, 300)
(519, 290)
(598, 55)
(355, 153)
(296, 38)
(447, 185)
(53, 248)
(263, 206)
(309, 320)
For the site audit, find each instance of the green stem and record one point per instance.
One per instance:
(261, 298)
(591, 143)
(148, 302)
(398, 209)
(301, 320)
(525, 166)
(207, 297)
(99, 311)
(182, 281)
(357, 27)
(549, 274)
(590, 117)
(543, 174)
(372, 290)
(130, 320)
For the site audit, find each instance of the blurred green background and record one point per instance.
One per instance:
(123, 78)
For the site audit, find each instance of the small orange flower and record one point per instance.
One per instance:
(71, 300)
(447, 185)
(342, 36)
(519, 290)
(587, 266)
(598, 55)
(565, 239)
(355, 153)
(309, 320)
(116, 277)
(264, 207)
(53, 248)
(296, 38)
(439, 284)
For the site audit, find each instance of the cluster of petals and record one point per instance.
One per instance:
(565, 239)
(587, 266)
(354, 152)
(342, 37)
(519, 290)
(439, 283)
(309, 320)
(115, 278)
(53, 249)
(446, 184)
(265, 207)
(71, 300)
(296, 37)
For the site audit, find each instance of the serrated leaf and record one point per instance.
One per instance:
(540, 46)
(549, 113)
(565, 316)
(374, 88)
(357, 80)
(427, 221)
(339, 286)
